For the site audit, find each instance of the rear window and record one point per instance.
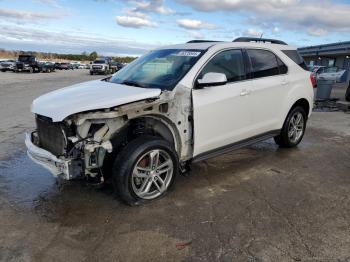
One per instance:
(294, 55)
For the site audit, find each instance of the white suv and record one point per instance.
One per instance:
(173, 106)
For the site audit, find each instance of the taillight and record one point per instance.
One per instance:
(313, 80)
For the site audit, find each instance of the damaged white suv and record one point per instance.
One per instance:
(173, 106)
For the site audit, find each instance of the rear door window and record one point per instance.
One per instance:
(263, 63)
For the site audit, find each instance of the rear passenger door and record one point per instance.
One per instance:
(269, 86)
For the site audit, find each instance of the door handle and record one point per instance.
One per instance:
(245, 92)
(284, 82)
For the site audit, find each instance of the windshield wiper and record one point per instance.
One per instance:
(131, 83)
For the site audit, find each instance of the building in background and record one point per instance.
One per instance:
(336, 54)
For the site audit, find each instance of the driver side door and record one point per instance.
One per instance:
(221, 110)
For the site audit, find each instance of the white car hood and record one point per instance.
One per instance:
(87, 96)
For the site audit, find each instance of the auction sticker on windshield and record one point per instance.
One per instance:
(188, 53)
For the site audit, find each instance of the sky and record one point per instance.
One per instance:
(130, 27)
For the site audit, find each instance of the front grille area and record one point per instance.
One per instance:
(51, 135)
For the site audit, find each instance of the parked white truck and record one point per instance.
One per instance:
(100, 66)
(173, 106)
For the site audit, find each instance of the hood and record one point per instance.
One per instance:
(87, 96)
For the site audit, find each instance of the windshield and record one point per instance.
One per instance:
(99, 62)
(25, 58)
(158, 69)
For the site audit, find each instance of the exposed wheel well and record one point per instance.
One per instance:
(304, 104)
(144, 126)
(135, 128)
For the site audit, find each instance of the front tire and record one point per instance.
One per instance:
(293, 128)
(144, 170)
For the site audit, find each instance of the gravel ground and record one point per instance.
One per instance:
(260, 203)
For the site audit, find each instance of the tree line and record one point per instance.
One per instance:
(85, 56)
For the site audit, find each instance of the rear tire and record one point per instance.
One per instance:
(293, 128)
(144, 170)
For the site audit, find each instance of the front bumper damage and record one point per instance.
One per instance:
(64, 168)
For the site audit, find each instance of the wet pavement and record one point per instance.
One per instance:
(260, 203)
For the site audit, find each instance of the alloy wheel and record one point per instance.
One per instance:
(296, 127)
(152, 174)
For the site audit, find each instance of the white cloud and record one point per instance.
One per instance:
(227, 5)
(152, 6)
(132, 12)
(26, 16)
(275, 30)
(252, 32)
(137, 16)
(20, 37)
(52, 3)
(196, 35)
(296, 15)
(135, 22)
(194, 24)
(314, 31)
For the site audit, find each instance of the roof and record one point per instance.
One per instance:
(206, 45)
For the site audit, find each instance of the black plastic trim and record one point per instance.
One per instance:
(259, 40)
(235, 146)
(202, 41)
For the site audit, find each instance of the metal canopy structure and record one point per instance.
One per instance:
(326, 50)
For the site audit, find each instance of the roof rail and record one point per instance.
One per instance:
(257, 39)
(201, 41)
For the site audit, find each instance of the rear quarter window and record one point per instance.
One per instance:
(294, 55)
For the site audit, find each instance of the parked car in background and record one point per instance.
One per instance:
(115, 66)
(100, 66)
(171, 107)
(63, 66)
(332, 73)
(8, 65)
(314, 68)
(46, 66)
(83, 66)
(75, 65)
(27, 63)
(57, 65)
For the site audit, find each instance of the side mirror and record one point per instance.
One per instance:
(212, 79)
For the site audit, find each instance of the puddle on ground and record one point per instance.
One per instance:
(24, 181)
(28, 184)
(31, 187)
